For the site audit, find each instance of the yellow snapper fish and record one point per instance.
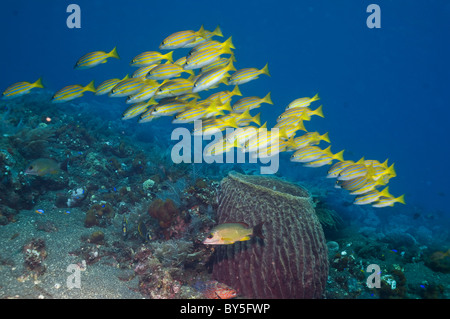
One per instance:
(167, 71)
(308, 139)
(335, 170)
(225, 96)
(144, 94)
(279, 146)
(211, 78)
(21, 88)
(210, 44)
(368, 186)
(353, 171)
(243, 134)
(207, 35)
(42, 167)
(172, 107)
(199, 59)
(220, 147)
(220, 62)
(352, 184)
(143, 71)
(106, 86)
(246, 75)
(263, 140)
(372, 196)
(289, 122)
(137, 109)
(127, 87)
(303, 102)
(389, 201)
(148, 116)
(150, 57)
(71, 92)
(310, 153)
(174, 87)
(229, 233)
(325, 159)
(188, 38)
(92, 59)
(300, 112)
(251, 102)
(196, 113)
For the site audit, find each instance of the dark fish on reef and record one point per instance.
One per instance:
(215, 290)
(229, 233)
(143, 231)
(124, 227)
(42, 167)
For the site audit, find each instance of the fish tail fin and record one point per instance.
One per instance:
(325, 138)
(385, 192)
(236, 91)
(301, 126)
(126, 77)
(90, 87)
(391, 171)
(258, 231)
(229, 43)
(318, 111)
(265, 69)
(191, 72)
(267, 99)
(315, 97)
(257, 119)
(217, 31)
(114, 54)
(38, 83)
(201, 32)
(339, 156)
(230, 66)
(401, 199)
(227, 107)
(169, 56)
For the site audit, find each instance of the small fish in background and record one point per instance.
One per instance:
(95, 58)
(39, 211)
(124, 227)
(42, 167)
(21, 88)
(229, 233)
(215, 290)
(71, 92)
(143, 231)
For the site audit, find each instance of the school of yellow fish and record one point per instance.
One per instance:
(207, 65)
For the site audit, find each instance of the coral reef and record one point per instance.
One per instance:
(292, 260)
(99, 214)
(34, 256)
(439, 261)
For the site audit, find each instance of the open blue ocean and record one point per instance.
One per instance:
(87, 194)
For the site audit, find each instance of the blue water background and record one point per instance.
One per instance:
(385, 91)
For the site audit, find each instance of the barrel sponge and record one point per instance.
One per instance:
(291, 261)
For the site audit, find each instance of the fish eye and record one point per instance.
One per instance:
(210, 236)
